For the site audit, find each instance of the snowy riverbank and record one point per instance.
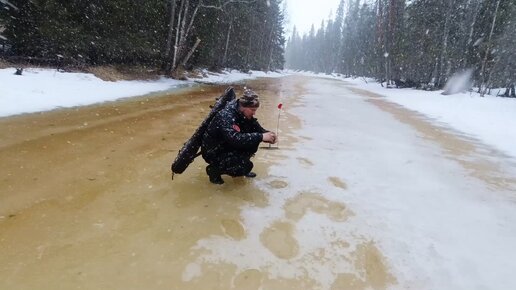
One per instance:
(47, 89)
(489, 119)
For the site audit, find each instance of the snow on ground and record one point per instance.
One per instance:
(436, 226)
(490, 119)
(440, 229)
(231, 76)
(46, 89)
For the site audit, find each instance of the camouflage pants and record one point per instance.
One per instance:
(233, 163)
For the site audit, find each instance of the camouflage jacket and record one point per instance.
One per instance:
(231, 131)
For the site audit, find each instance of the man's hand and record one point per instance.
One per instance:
(269, 137)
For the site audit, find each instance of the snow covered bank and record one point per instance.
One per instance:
(489, 119)
(231, 76)
(46, 89)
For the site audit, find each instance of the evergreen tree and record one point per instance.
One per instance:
(22, 28)
(170, 34)
(415, 43)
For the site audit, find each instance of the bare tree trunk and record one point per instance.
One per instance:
(174, 59)
(493, 68)
(379, 39)
(473, 22)
(469, 25)
(249, 47)
(386, 46)
(168, 48)
(435, 73)
(387, 81)
(441, 75)
(484, 62)
(228, 35)
(192, 18)
(184, 32)
(271, 47)
(182, 29)
(185, 60)
(261, 41)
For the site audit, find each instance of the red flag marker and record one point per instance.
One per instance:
(280, 105)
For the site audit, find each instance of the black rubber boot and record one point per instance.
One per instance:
(251, 174)
(214, 175)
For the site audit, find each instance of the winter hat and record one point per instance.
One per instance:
(249, 99)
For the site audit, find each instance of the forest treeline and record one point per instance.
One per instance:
(418, 43)
(167, 34)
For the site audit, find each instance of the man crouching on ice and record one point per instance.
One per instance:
(232, 138)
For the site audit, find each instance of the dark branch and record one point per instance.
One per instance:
(8, 3)
(222, 5)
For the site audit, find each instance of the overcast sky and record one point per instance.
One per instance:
(302, 13)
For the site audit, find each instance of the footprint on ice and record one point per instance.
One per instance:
(249, 279)
(233, 228)
(337, 182)
(305, 161)
(368, 259)
(306, 138)
(295, 208)
(279, 239)
(277, 184)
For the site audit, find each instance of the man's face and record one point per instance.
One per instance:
(249, 112)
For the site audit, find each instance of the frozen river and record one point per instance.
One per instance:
(361, 194)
